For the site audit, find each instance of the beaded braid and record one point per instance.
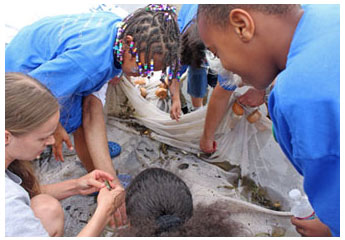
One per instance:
(154, 30)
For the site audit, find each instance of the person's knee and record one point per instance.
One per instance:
(49, 211)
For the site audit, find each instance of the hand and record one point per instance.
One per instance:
(311, 228)
(207, 145)
(252, 97)
(115, 80)
(112, 200)
(119, 215)
(175, 110)
(60, 136)
(93, 182)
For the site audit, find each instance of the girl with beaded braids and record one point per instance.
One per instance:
(76, 55)
(150, 38)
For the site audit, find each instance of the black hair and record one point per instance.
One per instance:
(159, 203)
(155, 32)
(156, 192)
(192, 48)
(219, 13)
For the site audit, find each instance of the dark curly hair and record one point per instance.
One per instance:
(159, 203)
(192, 48)
(155, 34)
(218, 14)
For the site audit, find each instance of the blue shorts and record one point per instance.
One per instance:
(197, 82)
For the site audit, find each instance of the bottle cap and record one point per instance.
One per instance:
(295, 194)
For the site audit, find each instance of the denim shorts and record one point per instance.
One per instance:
(197, 82)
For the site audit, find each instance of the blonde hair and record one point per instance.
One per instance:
(28, 104)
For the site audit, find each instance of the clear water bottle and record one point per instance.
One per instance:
(301, 207)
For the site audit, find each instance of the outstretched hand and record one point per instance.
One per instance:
(175, 110)
(60, 136)
(93, 182)
(311, 228)
(112, 199)
(252, 97)
(114, 81)
(117, 204)
(208, 145)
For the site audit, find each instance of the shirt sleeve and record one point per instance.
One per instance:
(321, 184)
(20, 220)
(225, 84)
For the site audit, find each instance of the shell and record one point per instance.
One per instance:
(143, 92)
(254, 116)
(237, 109)
(140, 81)
(162, 93)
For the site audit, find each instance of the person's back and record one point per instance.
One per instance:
(82, 37)
(305, 104)
(70, 54)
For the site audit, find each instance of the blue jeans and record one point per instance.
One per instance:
(197, 82)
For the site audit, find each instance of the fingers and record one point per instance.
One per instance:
(114, 81)
(208, 146)
(119, 198)
(94, 183)
(214, 146)
(175, 115)
(123, 213)
(117, 218)
(120, 216)
(57, 151)
(99, 174)
(68, 142)
(298, 223)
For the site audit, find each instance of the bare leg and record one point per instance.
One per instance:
(50, 213)
(197, 102)
(94, 132)
(82, 150)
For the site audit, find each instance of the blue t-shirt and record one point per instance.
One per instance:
(224, 83)
(71, 54)
(186, 15)
(305, 109)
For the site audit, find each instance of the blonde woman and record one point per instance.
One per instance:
(31, 117)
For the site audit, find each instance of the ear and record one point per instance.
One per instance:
(243, 24)
(128, 40)
(8, 137)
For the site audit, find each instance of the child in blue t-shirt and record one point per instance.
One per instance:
(76, 55)
(300, 46)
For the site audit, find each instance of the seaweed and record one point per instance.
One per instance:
(258, 194)
(226, 166)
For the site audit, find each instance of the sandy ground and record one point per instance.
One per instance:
(205, 180)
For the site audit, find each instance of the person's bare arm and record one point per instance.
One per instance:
(84, 185)
(175, 111)
(216, 109)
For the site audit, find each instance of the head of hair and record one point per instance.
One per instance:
(155, 31)
(218, 14)
(192, 47)
(159, 203)
(28, 104)
(157, 195)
